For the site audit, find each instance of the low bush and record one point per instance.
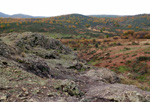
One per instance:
(143, 58)
(123, 69)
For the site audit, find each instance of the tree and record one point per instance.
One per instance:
(107, 36)
(2, 26)
(8, 25)
(11, 30)
(73, 26)
(96, 45)
(103, 28)
(129, 26)
(137, 27)
(147, 36)
(87, 25)
(94, 41)
(17, 24)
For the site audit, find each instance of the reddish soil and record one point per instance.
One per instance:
(110, 56)
(115, 56)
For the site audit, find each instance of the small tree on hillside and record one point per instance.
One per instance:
(87, 25)
(129, 26)
(96, 45)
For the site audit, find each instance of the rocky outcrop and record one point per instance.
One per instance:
(30, 41)
(36, 68)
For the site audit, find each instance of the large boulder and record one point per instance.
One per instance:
(119, 93)
(68, 86)
(102, 74)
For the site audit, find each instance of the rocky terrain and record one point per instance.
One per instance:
(37, 68)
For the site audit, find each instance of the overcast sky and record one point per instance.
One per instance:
(86, 7)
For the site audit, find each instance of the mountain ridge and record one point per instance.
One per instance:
(19, 15)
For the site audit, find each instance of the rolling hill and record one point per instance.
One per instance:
(76, 24)
(20, 16)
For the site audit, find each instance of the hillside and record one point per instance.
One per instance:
(128, 56)
(73, 24)
(37, 68)
(77, 25)
(3, 15)
(107, 59)
(20, 16)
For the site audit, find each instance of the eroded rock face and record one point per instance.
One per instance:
(38, 67)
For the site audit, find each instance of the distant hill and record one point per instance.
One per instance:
(3, 15)
(19, 16)
(104, 16)
(72, 17)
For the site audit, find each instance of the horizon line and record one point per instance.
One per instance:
(75, 13)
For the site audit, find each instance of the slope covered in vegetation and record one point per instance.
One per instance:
(76, 24)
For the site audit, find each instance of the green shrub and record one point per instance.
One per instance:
(146, 43)
(147, 52)
(75, 49)
(126, 48)
(96, 45)
(143, 58)
(141, 77)
(128, 62)
(92, 52)
(123, 69)
(134, 55)
(11, 30)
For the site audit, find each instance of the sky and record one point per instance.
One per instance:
(86, 7)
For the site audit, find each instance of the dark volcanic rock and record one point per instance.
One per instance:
(37, 66)
(53, 55)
